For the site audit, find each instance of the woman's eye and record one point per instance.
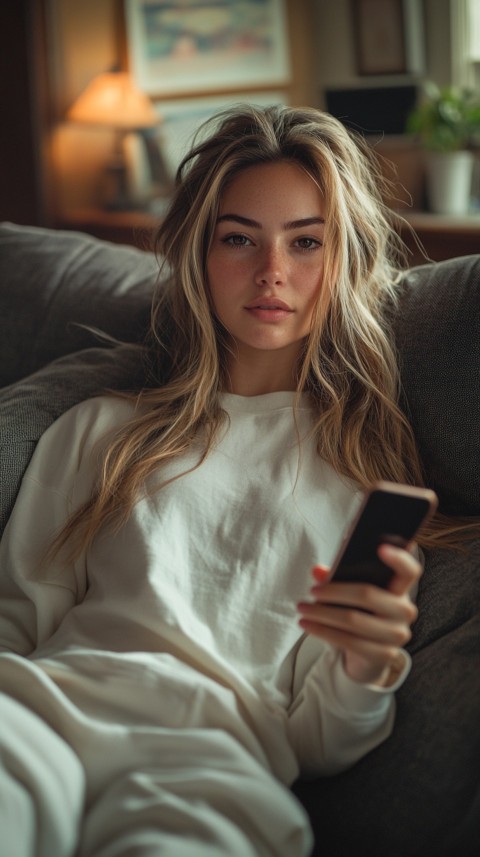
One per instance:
(236, 240)
(308, 243)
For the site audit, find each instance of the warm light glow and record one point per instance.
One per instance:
(112, 99)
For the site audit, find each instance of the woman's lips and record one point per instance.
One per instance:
(269, 309)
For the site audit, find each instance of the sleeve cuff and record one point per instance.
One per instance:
(360, 697)
(397, 675)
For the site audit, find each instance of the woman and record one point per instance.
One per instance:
(170, 667)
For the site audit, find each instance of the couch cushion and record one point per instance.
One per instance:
(437, 329)
(28, 407)
(52, 281)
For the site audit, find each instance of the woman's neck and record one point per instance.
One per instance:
(262, 372)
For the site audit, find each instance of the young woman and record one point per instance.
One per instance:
(174, 655)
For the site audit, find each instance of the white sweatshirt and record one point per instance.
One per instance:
(188, 612)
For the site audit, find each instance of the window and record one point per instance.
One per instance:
(475, 30)
(465, 19)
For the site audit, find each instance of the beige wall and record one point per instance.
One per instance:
(335, 67)
(83, 42)
(85, 39)
(335, 49)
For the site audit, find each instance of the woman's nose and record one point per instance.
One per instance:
(271, 270)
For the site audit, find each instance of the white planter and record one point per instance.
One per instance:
(449, 181)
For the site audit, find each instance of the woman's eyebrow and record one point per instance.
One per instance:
(305, 221)
(292, 224)
(237, 218)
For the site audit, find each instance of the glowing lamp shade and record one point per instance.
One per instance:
(112, 99)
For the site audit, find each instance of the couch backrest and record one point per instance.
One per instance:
(50, 281)
(54, 281)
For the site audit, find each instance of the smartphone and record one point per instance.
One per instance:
(390, 513)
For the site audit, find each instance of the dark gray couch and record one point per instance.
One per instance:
(418, 795)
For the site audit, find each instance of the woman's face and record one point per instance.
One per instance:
(265, 266)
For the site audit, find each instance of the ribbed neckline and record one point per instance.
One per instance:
(261, 404)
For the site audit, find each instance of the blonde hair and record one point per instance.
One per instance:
(348, 365)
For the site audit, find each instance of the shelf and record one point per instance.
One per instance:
(122, 227)
(442, 236)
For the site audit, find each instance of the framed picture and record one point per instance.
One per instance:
(182, 118)
(206, 45)
(388, 36)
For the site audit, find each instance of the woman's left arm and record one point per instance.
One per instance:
(349, 665)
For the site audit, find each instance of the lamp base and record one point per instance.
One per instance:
(136, 174)
(116, 193)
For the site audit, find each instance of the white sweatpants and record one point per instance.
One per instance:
(157, 793)
(41, 786)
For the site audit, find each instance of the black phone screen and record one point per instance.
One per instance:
(385, 517)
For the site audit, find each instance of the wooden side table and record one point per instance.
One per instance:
(122, 227)
(442, 236)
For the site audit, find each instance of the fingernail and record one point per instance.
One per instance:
(320, 573)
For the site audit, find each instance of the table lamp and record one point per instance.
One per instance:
(112, 100)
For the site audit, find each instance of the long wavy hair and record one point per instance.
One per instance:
(347, 366)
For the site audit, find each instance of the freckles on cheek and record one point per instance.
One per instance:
(217, 292)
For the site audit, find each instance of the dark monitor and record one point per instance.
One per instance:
(378, 110)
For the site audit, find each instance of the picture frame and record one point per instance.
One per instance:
(198, 46)
(388, 36)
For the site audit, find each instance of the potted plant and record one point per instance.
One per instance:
(447, 122)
